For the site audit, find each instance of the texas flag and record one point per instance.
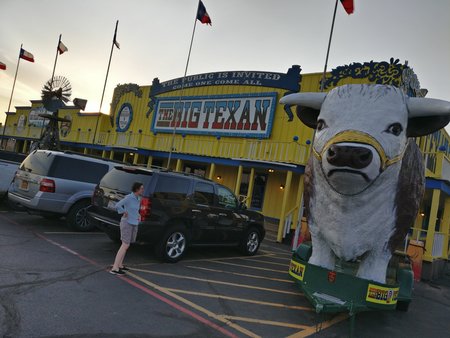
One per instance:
(26, 55)
(202, 14)
(348, 6)
(2, 66)
(62, 48)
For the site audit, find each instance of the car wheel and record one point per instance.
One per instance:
(77, 217)
(173, 244)
(251, 242)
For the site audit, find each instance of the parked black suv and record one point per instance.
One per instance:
(177, 210)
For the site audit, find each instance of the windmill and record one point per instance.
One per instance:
(55, 94)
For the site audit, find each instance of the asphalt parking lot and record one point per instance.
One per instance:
(54, 283)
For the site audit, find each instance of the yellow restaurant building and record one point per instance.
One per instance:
(232, 129)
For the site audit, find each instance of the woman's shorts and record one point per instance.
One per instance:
(128, 232)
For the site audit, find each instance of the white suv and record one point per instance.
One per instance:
(55, 184)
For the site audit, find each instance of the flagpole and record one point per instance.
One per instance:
(322, 84)
(12, 92)
(106, 80)
(56, 59)
(175, 115)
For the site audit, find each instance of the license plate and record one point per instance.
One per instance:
(111, 205)
(23, 185)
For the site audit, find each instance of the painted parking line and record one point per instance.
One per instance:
(323, 325)
(193, 305)
(265, 322)
(241, 274)
(251, 267)
(286, 259)
(240, 299)
(213, 281)
(222, 258)
(286, 265)
(276, 251)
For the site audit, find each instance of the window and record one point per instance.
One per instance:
(171, 187)
(204, 193)
(226, 198)
(77, 170)
(37, 163)
(122, 180)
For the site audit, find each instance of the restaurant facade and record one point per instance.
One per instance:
(230, 127)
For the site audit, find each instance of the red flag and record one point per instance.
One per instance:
(202, 14)
(2, 66)
(26, 55)
(62, 48)
(348, 6)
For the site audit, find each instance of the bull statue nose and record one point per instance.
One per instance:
(348, 156)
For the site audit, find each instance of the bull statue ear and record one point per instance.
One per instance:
(425, 116)
(308, 106)
(308, 116)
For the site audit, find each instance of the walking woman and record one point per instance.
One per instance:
(129, 208)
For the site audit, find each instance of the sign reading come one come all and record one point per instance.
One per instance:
(248, 115)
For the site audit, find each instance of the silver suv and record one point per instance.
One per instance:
(55, 184)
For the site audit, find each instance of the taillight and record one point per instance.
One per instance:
(47, 185)
(95, 194)
(145, 208)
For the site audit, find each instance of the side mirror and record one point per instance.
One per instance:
(242, 206)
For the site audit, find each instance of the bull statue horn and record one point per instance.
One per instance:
(423, 107)
(311, 100)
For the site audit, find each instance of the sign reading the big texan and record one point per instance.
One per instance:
(248, 115)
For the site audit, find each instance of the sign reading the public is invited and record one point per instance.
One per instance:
(248, 115)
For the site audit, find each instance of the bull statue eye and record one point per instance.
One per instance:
(321, 125)
(395, 129)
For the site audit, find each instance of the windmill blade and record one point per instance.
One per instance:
(56, 92)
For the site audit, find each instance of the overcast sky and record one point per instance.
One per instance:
(262, 35)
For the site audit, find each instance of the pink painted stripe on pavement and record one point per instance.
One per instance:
(144, 289)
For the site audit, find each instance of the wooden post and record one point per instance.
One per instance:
(212, 169)
(251, 184)
(238, 180)
(286, 190)
(432, 225)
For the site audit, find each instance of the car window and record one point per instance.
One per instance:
(121, 179)
(226, 198)
(77, 170)
(171, 187)
(204, 193)
(37, 163)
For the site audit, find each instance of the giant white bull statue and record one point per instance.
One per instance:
(365, 180)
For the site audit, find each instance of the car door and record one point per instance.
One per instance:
(204, 215)
(229, 224)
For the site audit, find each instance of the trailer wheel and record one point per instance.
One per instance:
(402, 306)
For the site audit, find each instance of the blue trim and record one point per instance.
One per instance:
(431, 183)
(125, 105)
(289, 81)
(298, 169)
(222, 132)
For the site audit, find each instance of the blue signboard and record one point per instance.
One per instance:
(240, 115)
